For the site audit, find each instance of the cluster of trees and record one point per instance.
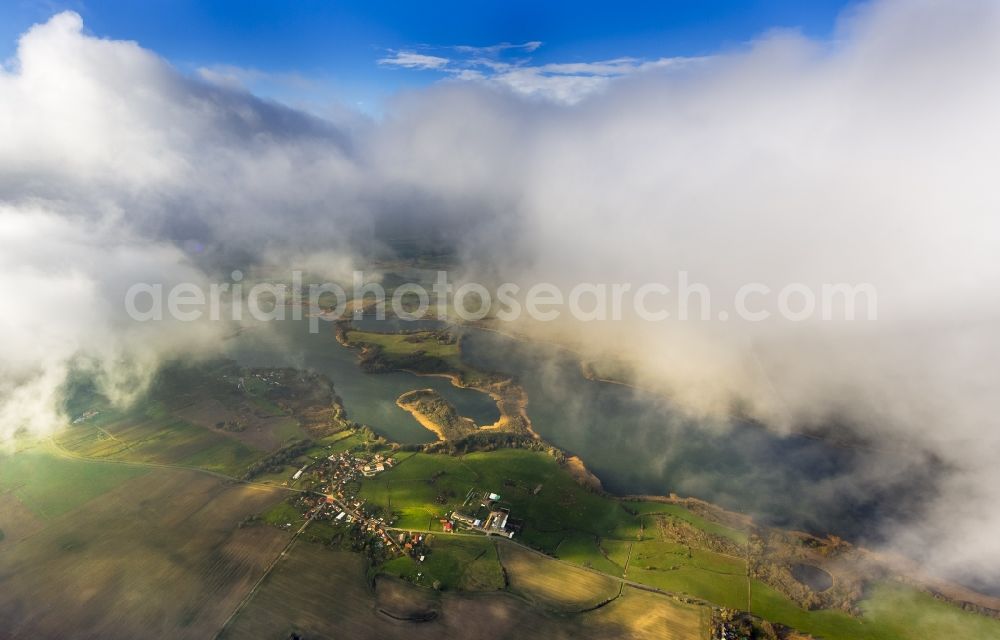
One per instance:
(277, 460)
(374, 360)
(441, 336)
(429, 404)
(488, 441)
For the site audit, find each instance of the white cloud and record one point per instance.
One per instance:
(568, 83)
(411, 60)
(66, 278)
(495, 49)
(563, 83)
(111, 162)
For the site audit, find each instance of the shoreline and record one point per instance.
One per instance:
(904, 569)
(506, 417)
(421, 417)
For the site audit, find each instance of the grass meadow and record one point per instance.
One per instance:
(569, 522)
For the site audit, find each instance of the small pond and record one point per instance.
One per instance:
(812, 576)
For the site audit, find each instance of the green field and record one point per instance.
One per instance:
(162, 440)
(344, 442)
(587, 551)
(283, 514)
(565, 520)
(561, 507)
(682, 513)
(462, 563)
(616, 551)
(698, 572)
(49, 485)
(554, 585)
(400, 345)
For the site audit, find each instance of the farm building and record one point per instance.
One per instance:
(497, 520)
(466, 520)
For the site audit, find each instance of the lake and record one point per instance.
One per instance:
(368, 398)
(635, 441)
(638, 443)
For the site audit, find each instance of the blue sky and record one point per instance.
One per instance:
(320, 50)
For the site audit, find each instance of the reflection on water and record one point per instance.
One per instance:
(369, 398)
(637, 443)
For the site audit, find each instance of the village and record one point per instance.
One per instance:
(329, 493)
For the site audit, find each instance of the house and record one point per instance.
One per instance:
(464, 519)
(497, 520)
